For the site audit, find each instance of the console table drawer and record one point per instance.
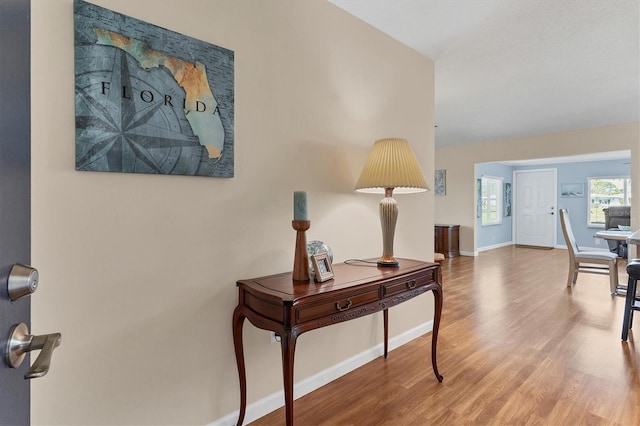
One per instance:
(400, 286)
(333, 306)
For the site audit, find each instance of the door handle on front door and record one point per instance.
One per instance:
(20, 342)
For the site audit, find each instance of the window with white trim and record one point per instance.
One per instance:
(491, 191)
(605, 192)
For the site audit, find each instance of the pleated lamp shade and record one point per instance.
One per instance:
(392, 164)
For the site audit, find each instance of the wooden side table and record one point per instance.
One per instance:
(447, 240)
(290, 308)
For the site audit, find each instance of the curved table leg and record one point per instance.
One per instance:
(437, 296)
(288, 345)
(238, 320)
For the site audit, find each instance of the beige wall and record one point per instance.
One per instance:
(138, 272)
(458, 205)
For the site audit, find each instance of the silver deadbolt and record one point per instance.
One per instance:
(23, 280)
(20, 342)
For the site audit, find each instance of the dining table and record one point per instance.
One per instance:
(630, 237)
(617, 235)
(634, 239)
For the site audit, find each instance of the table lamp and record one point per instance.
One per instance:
(391, 165)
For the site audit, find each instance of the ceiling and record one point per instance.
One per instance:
(512, 68)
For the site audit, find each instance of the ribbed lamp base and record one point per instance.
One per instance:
(388, 219)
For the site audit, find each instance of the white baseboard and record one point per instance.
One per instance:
(495, 246)
(276, 400)
(469, 253)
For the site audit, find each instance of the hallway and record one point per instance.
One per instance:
(516, 346)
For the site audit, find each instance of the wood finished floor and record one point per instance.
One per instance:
(516, 347)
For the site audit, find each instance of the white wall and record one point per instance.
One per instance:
(458, 205)
(138, 271)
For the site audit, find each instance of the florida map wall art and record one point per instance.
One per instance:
(149, 100)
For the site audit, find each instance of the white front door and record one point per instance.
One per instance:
(535, 207)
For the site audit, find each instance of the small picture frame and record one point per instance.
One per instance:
(322, 267)
(571, 190)
(440, 182)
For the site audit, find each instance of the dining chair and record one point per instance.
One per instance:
(632, 301)
(587, 261)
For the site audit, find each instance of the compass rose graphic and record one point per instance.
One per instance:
(129, 119)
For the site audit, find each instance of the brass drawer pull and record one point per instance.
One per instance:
(345, 307)
(411, 284)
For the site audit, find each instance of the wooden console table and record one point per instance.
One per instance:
(289, 308)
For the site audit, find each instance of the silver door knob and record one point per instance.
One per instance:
(23, 280)
(20, 342)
